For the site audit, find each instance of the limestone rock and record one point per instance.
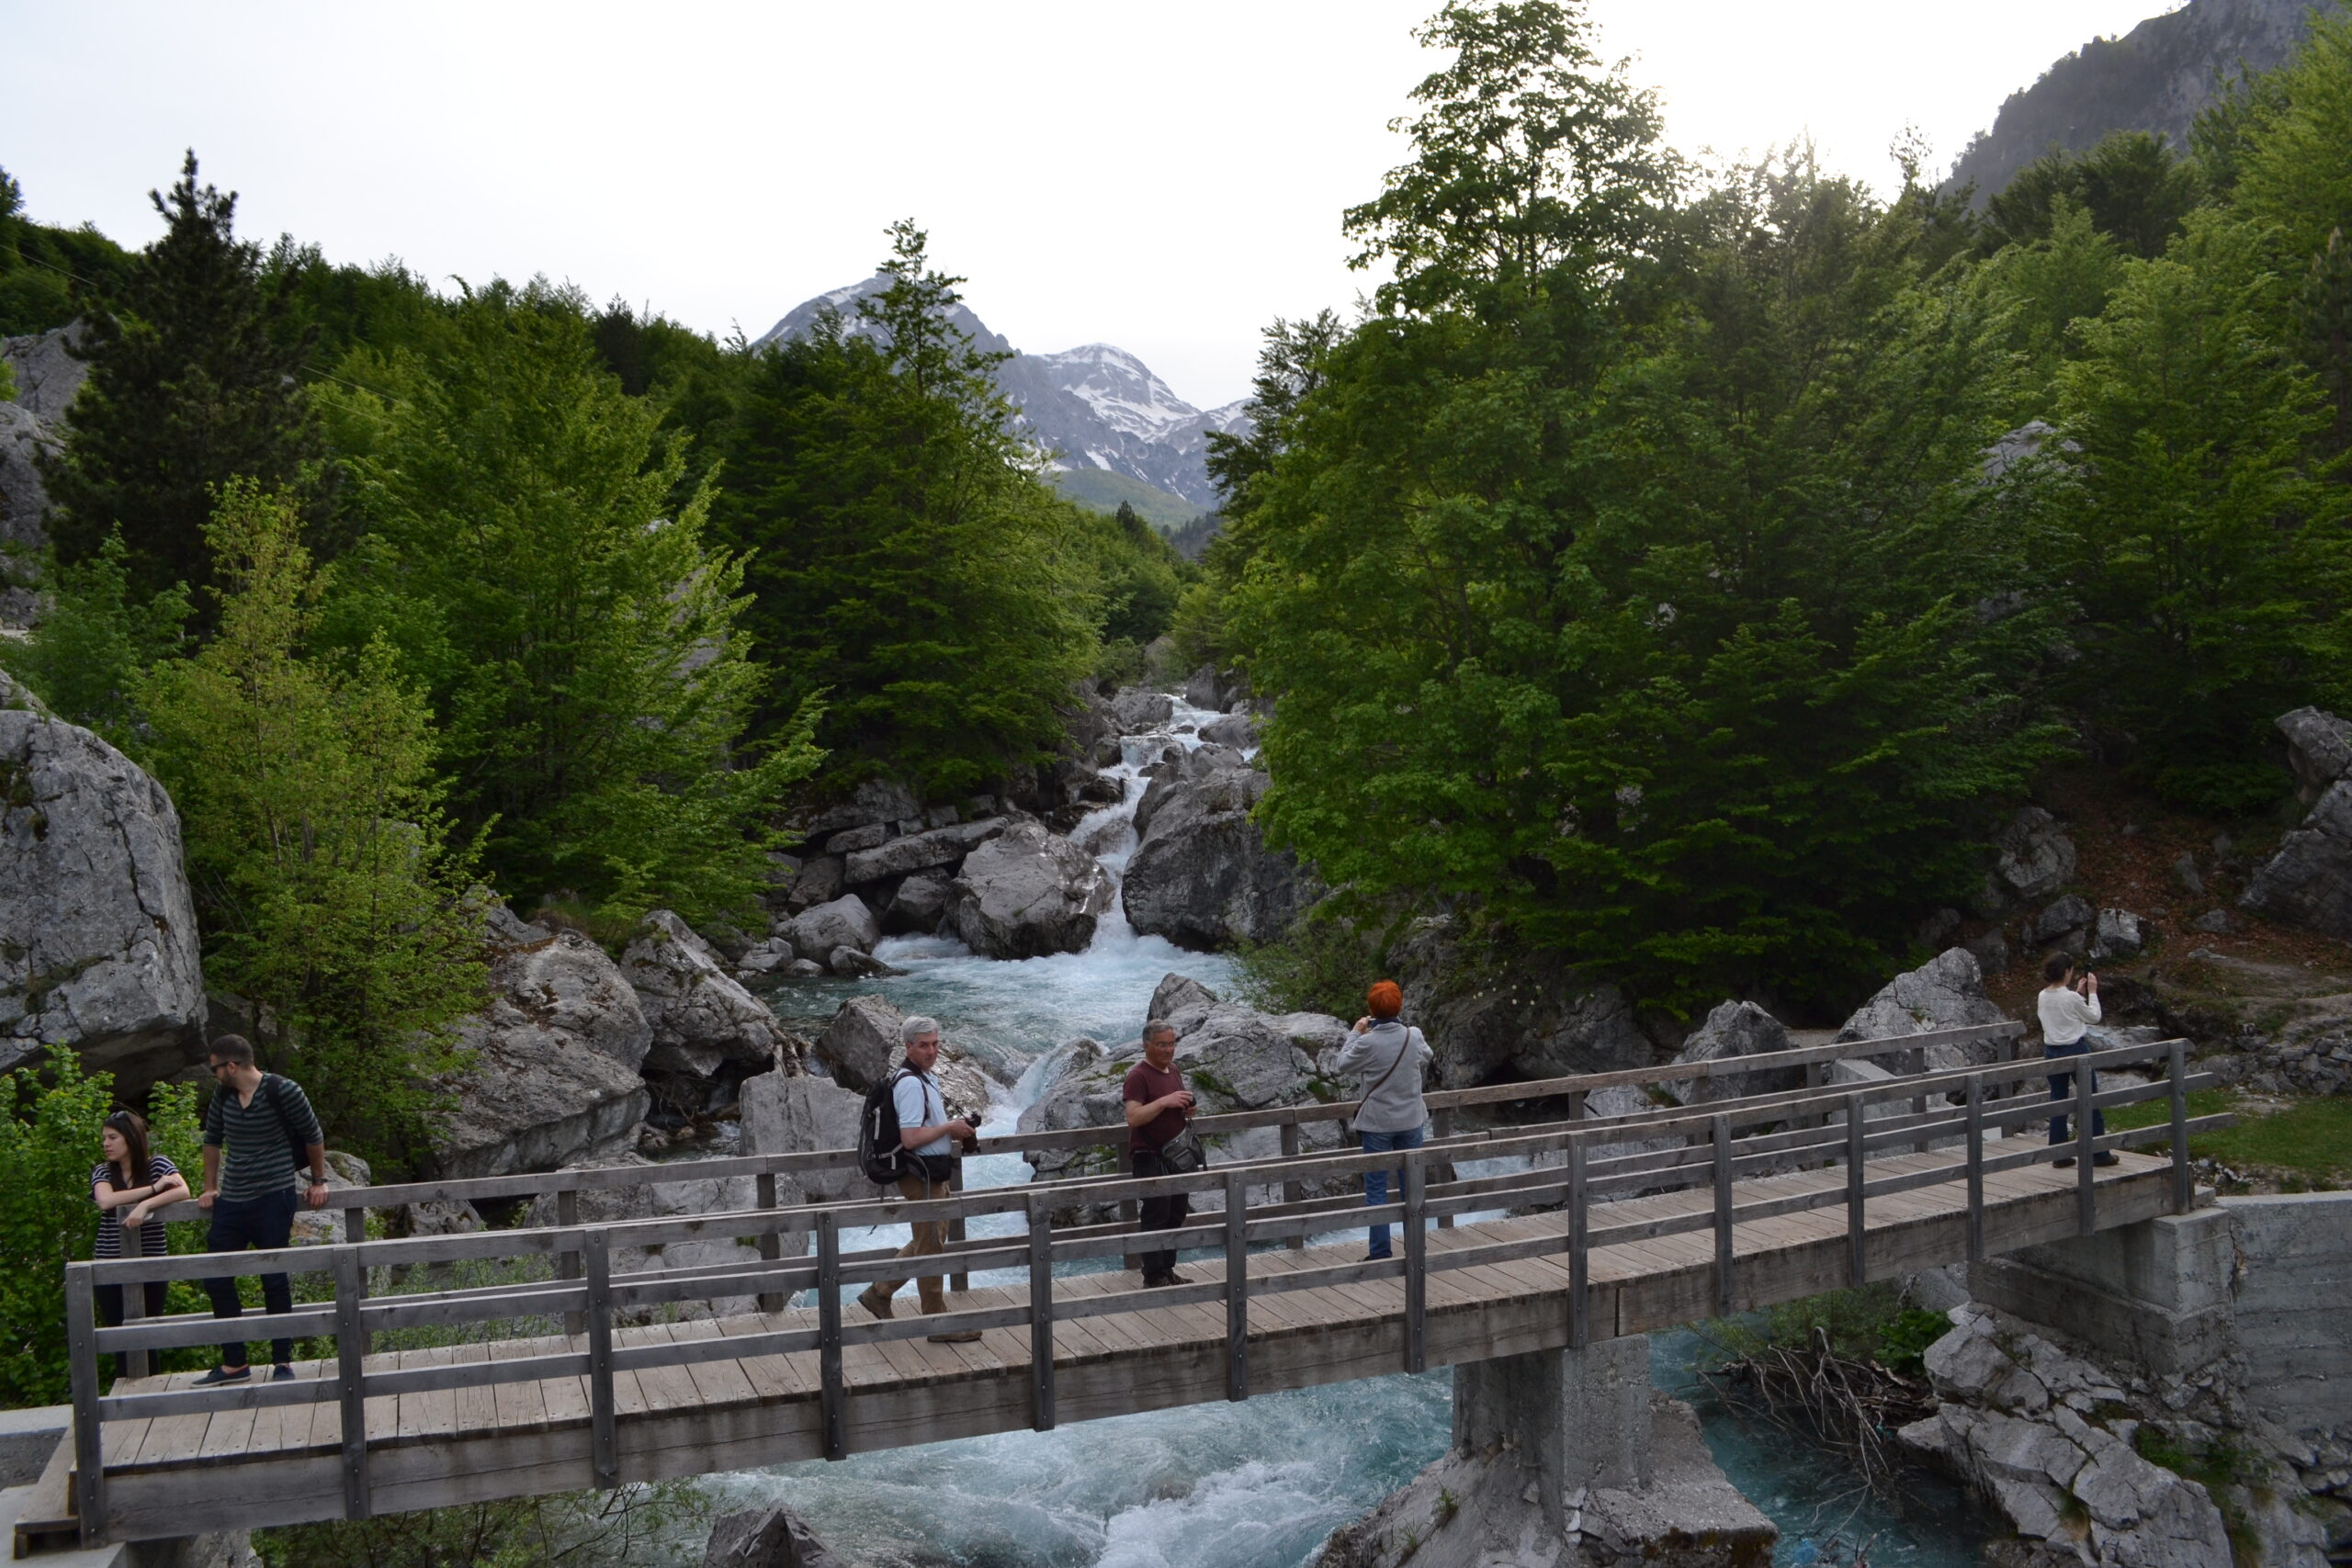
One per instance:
(1176, 992)
(2319, 750)
(921, 850)
(2118, 934)
(1201, 875)
(800, 1113)
(765, 963)
(1946, 992)
(1539, 1019)
(2034, 857)
(766, 1537)
(875, 800)
(1136, 711)
(917, 905)
(2309, 882)
(843, 922)
(1235, 729)
(851, 964)
(701, 1019)
(1734, 1029)
(554, 1072)
(1027, 892)
(47, 374)
(1214, 689)
(2064, 918)
(861, 1045)
(686, 1194)
(97, 927)
(323, 1228)
(817, 882)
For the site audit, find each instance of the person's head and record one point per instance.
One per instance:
(123, 1141)
(1160, 1043)
(1384, 1000)
(231, 1057)
(920, 1035)
(2057, 969)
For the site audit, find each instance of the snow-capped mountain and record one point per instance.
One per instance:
(1095, 406)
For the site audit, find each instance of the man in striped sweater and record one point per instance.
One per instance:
(253, 1129)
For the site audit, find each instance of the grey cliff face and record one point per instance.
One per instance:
(98, 926)
(1027, 892)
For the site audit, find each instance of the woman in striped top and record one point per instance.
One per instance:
(131, 1184)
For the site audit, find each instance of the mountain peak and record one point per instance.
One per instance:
(1093, 406)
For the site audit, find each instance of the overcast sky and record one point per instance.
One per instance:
(1164, 177)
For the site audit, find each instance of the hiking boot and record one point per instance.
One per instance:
(219, 1375)
(281, 1373)
(874, 1302)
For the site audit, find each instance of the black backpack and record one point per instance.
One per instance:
(880, 1152)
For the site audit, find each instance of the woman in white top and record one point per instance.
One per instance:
(2068, 1007)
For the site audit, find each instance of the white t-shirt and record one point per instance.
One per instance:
(2066, 1014)
(919, 1105)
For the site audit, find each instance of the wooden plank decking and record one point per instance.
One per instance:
(180, 1474)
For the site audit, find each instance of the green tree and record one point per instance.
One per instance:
(89, 651)
(188, 387)
(331, 893)
(2137, 191)
(906, 562)
(1619, 604)
(578, 635)
(2194, 518)
(42, 264)
(49, 1141)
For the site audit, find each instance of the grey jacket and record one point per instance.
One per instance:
(1397, 1107)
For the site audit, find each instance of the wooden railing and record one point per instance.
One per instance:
(1797, 1129)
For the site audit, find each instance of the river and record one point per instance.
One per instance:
(1258, 1485)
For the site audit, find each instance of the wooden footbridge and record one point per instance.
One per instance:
(1621, 1224)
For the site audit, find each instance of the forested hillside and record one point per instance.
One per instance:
(1680, 577)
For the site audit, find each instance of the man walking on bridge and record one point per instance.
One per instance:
(253, 1129)
(929, 1135)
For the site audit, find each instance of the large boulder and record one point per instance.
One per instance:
(2033, 855)
(1027, 892)
(2319, 750)
(2309, 882)
(1136, 711)
(46, 373)
(791, 1113)
(845, 922)
(1238, 730)
(552, 1077)
(97, 927)
(32, 427)
(766, 1537)
(703, 1021)
(1202, 875)
(919, 904)
(875, 800)
(1946, 992)
(861, 1047)
(1734, 1029)
(1538, 1018)
(689, 1194)
(920, 852)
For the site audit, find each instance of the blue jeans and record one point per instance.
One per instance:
(1375, 1182)
(2062, 1085)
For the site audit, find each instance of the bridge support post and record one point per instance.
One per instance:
(1580, 1419)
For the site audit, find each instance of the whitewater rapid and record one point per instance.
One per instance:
(1258, 1485)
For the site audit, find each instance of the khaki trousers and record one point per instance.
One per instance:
(930, 1239)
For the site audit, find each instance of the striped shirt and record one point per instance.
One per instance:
(256, 1138)
(151, 1234)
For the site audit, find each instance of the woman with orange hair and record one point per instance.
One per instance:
(1392, 1116)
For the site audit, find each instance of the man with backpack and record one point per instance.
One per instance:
(259, 1131)
(920, 1159)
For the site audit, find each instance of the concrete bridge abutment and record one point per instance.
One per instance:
(1580, 1419)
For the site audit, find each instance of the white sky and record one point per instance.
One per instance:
(1167, 179)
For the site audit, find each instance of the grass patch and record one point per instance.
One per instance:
(2310, 1140)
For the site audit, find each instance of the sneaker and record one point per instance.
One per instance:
(281, 1373)
(874, 1302)
(2066, 1164)
(219, 1375)
(960, 1336)
(2104, 1156)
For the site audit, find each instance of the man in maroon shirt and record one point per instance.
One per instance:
(1157, 1107)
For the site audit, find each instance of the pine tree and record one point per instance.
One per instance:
(188, 387)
